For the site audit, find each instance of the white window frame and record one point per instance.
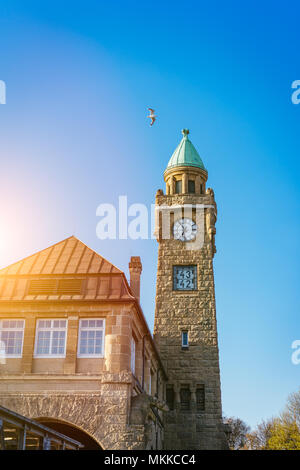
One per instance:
(51, 329)
(183, 333)
(132, 355)
(13, 329)
(102, 328)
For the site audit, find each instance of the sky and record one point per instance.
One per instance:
(74, 134)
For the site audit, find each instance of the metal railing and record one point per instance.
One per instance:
(20, 433)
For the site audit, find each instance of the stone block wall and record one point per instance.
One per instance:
(195, 312)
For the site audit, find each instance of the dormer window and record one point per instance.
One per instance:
(55, 287)
(178, 187)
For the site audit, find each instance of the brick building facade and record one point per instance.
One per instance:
(79, 353)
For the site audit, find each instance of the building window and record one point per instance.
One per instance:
(11, 337)
(200, 397)
(178, 187)
(201, 188)
(184, 339)
(91, 338)
(191, 186)
(185, 398)
(50, 340)
(132, 360)
(170, 396)
(151, 382)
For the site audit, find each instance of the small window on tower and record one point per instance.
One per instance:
(178, 187)
(185, 398)
(184, 339)
(191, 186)
(170, 397)
(200, 397)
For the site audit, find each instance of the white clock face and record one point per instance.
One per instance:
(185, 230)
(184, 277)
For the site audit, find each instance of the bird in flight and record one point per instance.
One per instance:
(151, 116)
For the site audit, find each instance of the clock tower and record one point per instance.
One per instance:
(185, 327)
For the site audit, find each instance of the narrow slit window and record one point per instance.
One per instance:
(170, 397)
(191, 186)
(200, 397)
(132, 355)
(185, 398)
(178, 187)
(151, 382)
(184, 339)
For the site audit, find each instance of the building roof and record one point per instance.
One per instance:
(70, 256)
(69, 259)
(185, 154)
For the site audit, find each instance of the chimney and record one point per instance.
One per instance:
(135, 269)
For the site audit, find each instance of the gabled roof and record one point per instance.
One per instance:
(185, 154)
(69, 259)
(70, 256)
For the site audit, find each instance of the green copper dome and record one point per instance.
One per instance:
(185, 154)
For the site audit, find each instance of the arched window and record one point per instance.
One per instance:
(191, 186)
(178, 187)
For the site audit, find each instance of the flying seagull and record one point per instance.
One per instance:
(151, 116)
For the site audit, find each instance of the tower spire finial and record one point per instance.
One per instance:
(185, 132)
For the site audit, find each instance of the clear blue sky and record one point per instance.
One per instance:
(74, 134)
